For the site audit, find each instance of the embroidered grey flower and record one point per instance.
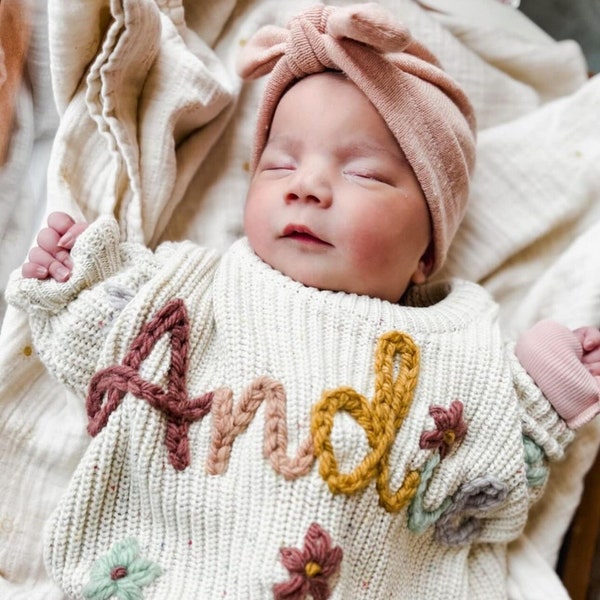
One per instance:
(462, 522)
(118, 295)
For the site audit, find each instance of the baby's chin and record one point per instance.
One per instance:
(330, 283)
(325, 279)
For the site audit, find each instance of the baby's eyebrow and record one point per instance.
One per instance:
(283, 141)
(367, 148)
(359, 148)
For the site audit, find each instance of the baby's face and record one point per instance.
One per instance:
(333, 203)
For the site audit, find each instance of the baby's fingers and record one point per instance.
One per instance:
(591, 360)
(34, 271)
(66, 228)
(61, 222)
(67, 240)
(589, 337)
(594, 369)
(48, 240)
(42, 265)
(51, 257)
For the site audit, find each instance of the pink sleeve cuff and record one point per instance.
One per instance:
(551, 354)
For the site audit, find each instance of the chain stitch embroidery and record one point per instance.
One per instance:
(536, 468)
(121, 573)
(419, 518)
(229, 422)
(381, 419)
(174, 403)
(450, 429)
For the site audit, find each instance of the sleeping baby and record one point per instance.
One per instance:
(308, 415)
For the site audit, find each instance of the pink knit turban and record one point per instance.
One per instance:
(425, 109)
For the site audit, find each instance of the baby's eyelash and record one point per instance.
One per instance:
(278, 168)
(367, 175)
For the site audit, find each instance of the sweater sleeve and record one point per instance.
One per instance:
(545, 435)
(70, 321)
(539, 420)
(552, 355)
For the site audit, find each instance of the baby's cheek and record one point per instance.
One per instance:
(370, 250)
(358, 247)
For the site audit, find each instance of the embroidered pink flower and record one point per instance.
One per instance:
(450, 428)
(310, 568)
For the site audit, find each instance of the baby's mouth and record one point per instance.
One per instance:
(303, 234)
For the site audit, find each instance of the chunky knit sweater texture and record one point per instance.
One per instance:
(255, 438)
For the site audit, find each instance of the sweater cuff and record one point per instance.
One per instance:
(96, 256)
(551, 354)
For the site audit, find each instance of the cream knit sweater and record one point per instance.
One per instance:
(250, 433)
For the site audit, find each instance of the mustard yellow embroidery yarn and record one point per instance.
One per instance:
(381, 419)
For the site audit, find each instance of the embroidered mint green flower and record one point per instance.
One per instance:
(121, 573)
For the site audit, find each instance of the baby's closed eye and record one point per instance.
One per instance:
(273, 160)
(278, 167)
(367, 174)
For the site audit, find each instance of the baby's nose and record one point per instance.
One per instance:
(311, 185)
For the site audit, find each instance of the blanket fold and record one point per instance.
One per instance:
(128, 116)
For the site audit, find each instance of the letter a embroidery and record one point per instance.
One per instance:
(174, 402)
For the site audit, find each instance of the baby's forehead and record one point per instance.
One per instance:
(328, 85)
(329, 104)
(351, 145)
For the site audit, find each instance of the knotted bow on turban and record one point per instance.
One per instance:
(425, 109)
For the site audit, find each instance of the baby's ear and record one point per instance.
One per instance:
(424, 267)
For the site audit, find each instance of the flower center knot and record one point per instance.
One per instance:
(312, 569)
(449, 436)
(118, 573)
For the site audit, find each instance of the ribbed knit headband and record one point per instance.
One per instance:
(425, 109)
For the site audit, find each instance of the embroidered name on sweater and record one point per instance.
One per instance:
(116, 381)
(381, 418)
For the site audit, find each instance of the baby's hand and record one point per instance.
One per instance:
(589, 338)
(52, 257)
